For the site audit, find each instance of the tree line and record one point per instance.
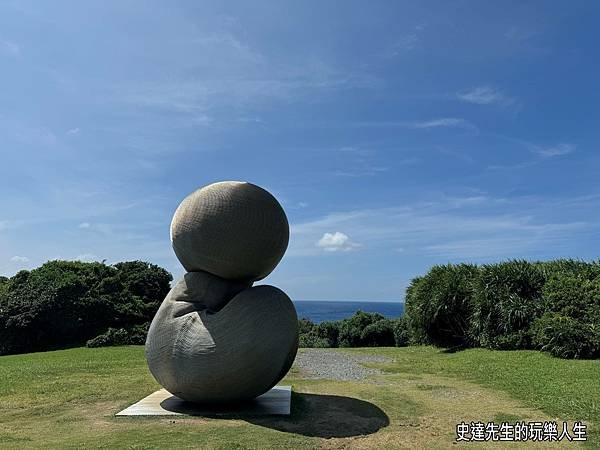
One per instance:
(553, 306)
(68, 303)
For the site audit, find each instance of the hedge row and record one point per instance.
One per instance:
(553, 306)
(361, 330)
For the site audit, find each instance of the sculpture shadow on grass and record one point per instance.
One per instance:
(314, 415)
(327, 416)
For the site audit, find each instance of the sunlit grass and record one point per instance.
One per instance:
(68, 398)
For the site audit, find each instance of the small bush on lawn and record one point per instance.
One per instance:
(120, 336)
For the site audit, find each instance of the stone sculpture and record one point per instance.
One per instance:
(215, 338)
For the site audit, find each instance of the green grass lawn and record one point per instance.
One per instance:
(67, 399)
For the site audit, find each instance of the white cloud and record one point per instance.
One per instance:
(9, 47)
(86, 257)
(484, 95)
(333, 242)
(73, 131)
(19, 259)
(84, 225)
(557, 150)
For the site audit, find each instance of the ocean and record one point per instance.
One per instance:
(319, 311)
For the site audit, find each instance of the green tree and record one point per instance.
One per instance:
(65, 303)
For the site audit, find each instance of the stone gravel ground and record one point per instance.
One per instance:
(331, 364)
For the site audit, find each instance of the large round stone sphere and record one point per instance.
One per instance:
(234, 352)
(232, 229)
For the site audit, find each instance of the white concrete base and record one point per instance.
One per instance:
(277, 401)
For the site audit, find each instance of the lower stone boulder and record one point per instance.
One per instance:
(218, 341)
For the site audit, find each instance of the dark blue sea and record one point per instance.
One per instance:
(318, 311)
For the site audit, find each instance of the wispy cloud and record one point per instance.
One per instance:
(336, 242)
(9, 47)
(472, 227)
(200, 96)
(515, 33)
(444, 122)
(238, 76)
(84, 225)
(19, 259)
(485, 95)
(73, 132)
(556, 150)
(365, 171)
(404, 43)
(542, 153)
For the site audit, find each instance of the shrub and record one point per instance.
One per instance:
(65, 303)
(312, 340)
(566, 337)
(120, 336)
(329, 332)
(322, 335)
(113, 336)
(3, 285)
(351, 329)
(378, 334)
(504, 301)
(439, 305)
(401, 331)
(507, 299)
(588, 270)
(574, 296)
(305, 326)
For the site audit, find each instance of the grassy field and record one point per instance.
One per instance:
(67, 399)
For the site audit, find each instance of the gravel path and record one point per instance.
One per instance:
(335, 365)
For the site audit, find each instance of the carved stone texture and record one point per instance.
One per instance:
(231, 229)
(235, 351)
(215, 338)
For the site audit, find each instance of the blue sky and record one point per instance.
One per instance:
(397, 135)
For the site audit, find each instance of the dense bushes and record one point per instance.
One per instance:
(553, 306)
(136, 335)
(361, 330)
(440, 303)
(65, 303)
